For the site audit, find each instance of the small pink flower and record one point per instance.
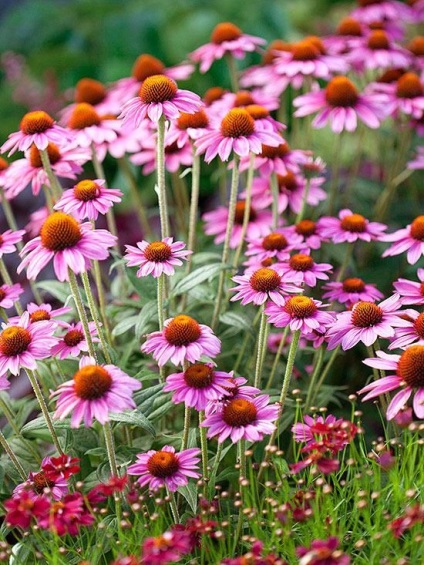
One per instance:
(88, 128)
(236, 388)
(40, 483)
(9, 294)
(94, 392)
(198, 384)
(405, 96)
(166, 548)
(43, 312)
(410, 239)
(182, 339)
(36, 128)
(242, 419)
(411, 292)
(88, 199)
(275, 246)
(408, 374)
(22, 509)
(226, 38)
(378, 51)
(159, 95)
(156, 258)
(280, 159)
(350, 291)
(261, 285)
(411, 333)
(300, 313)
(67, 515)
(8, 241)
(366, 322)
(302, 269)
(73, 342)
(71, 246)
(350, 227)
(306, 431)
(310, 232)
(166, 468)
(322, 552)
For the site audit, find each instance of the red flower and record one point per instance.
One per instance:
(62, 466)
(67, 515)
(22, 508)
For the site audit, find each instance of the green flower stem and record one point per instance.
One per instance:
(81, 312)
(11, 419)
(275, 194)
(317, 368)
(246, 215)
(160, 293)
(102, 299)
(94, 315)
(13, 458)
(174, 508)
(229, 230)
(277, 357)
(301, 213)
(246, 339)
(346, 260)
(8, 212)
(261, 348)
(242, 476)
(32, 375)
(161, 187)
(110, 217)
(187, 418)
(54, 183)
(204, 447)
(48, 197)
(194, 201)
(110, 448)
(7, 279)
(334, 186)
(324, 374)
(232, 69)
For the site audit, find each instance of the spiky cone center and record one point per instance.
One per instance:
(391, 75)
(287, 182)
(305, 51)
(3, 164)
(198, 376)
(270, 152)
(257, 112)
(83, 116)
(349, 26)
(239, 412)
(35, 156)
(366, 315)
(92, 382)
(300, 306)
(2, 294)
(276, 45)
(147, 66)
(411, 366)
(172, 148)
(39, 315)
(14, 340)
(417, 228)
(354, 223)
(237, 123)
(419, 325)
(86, 190)
(274, 242)
(265, 280)
(225, 31)
(301, 262)
(409, 86)
(268, 262)
(378, 40)
(182, 330)
(157, 88)
(213, 94)
(90, 91)
(163, 464)
(243, 98)
(197, 120)
(341, 92)
(416, 46)
(306, 228)
(73, 337)
(353, 285)
(36, 122)
(158, 252)
(60, 231)
(318, 43)
(239, 213)
(41, 482)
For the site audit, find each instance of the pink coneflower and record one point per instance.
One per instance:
(94, 392)
(236, 133)
(22, 509)
(40, 483)
(405, 96)
(88, 128)
(300, 313)
(410, 239)
(408, 373)
(216, 223)
(280, 159)
(175, 156)
(310, 233)
(23, 343)
(43, 312)
(73, 342)
(275, 245)
(95, 93)
(166, 548)
(71, 246)
(9, 294)
(187, 128)
(88, 199)
(198, 384)
(267, 283)
(411, 292)
(378, 51)
(156, 258)
(236, 388)
(166, 468)
(370, 11)
(366, 322)
(36, 128)
(350, 227)
(411, 333)
(242, 419)
(226, 38)
(65, 162)
(302, 269)
(341, 104)
(159, 95)
(36, 220)
(322, 552)
(182, 339)
(351, 290)
(8, 241)
(61, 466)
(348, 32)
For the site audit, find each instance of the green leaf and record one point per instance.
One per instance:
(237, 320)
(125, 325)
(145, 287)
(147, 315)
(58, 290)
(135, 418)
(39, 426)
(198, 276)
(189, 492)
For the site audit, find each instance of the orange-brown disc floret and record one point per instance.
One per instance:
(158, 252)
(237, 123)
(239, 412)
(225, 31)
(182, 330)
(92, 382)
(83, 116)
(417, 228)
(198, 375)
(265, 280)
(354, 223)
(147, 66)
(340, 91)
(163, 464)
(60, 231)
(411, 366)
(366, 315)
(90, 91)
(35, 156)
(157, 88)
(14, 340)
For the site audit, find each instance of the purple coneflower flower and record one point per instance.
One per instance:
(350, 227)
(351, 290)
(8, 241)
(73, 342)
(302, 269)
(88, 128)
(410, 239)
(87, 199)
(412, 333)
(41, 483)
(261, 285)
(156, 258)
(411, 292)
(300, 313)
(9, 294)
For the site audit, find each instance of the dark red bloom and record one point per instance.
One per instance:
(22, 508)
(413, 515)
(67, 515)
(62, 466)
(323, 552)
(167, 548)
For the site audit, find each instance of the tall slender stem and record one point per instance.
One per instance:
(246, 215)
(110, 448)
(195, 185)
(4, 443)
(317, 368)
(160, 164)
(102, 299)
(73, 283)
(233, 72)
(229, 230)
(275, 194)
(100, 173)
(135, 195)
(174, 508)
(204, 447)
(334, 186)
(54, 183)
(301, 213)
(8, 212)
(346, 260)
(187, 418)
(161, 288)
(277, 357)
(324, 374)
(261, 347)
